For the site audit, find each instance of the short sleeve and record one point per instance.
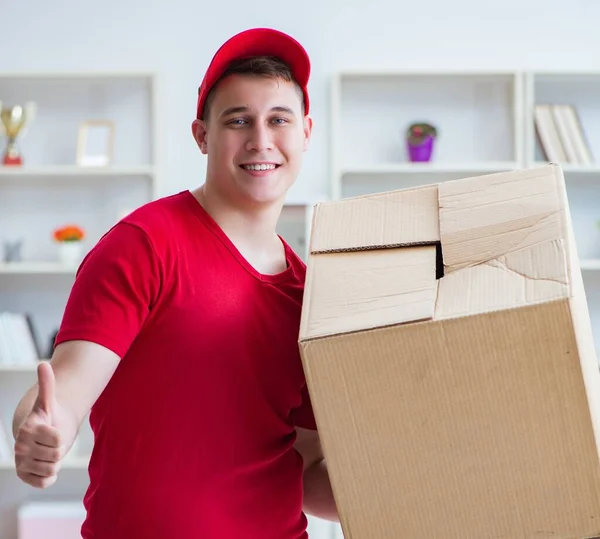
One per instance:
(303, 416)
(115, 288)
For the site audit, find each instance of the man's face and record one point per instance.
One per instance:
(254, 137)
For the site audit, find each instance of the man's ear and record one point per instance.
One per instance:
(308, 125)
(199, 133)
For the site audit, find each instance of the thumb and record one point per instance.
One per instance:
(46, 391)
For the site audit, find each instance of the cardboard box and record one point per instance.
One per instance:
(450, 360)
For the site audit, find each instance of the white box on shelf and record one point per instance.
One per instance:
(50, 520)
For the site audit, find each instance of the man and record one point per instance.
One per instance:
(180, 334)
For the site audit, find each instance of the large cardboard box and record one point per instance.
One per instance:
(450, 360)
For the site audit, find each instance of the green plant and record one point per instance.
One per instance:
(419, 132)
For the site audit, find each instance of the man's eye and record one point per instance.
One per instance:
(280, 121)
(237, 121)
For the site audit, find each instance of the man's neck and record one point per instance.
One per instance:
(252, 230)
(257, 223)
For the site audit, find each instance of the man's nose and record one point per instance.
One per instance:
(260, 139)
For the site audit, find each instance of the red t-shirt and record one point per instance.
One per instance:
(194, 433)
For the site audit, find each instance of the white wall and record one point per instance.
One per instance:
(179, 37)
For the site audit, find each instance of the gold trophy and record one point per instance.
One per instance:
(14, 120)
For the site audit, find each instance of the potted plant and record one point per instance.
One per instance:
(420, 139)
(69, 239)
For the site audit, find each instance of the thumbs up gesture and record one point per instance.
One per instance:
(40, 441)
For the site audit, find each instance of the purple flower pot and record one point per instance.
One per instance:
(419, 153)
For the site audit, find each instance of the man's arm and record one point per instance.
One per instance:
(82, 370)
(48, 417)
(318, 495)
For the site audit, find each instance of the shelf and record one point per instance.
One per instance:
(50, 190)
(74, 171)
(73, 463)
(16, 368)
(360, 180)
(428, 168)
(569, 169)
(449, 74)
(303, 202)
(477, 115)
(590, 264)
(75, 75)
(36, 268)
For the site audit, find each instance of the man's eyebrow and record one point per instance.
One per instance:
(239, 109)
(233, 110)
(283, 109)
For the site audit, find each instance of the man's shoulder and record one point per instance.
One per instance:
(160, 217)
(161, 208)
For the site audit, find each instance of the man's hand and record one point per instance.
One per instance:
(45, 436)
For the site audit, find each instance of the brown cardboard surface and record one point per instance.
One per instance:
(471, 427)
(366, 289)
(532, 275)
(478, 418)
(403, 217)
(487, 216)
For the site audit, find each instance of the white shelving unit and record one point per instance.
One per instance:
(295, 223)
(485, 124)
(478, 115)
(50, 190)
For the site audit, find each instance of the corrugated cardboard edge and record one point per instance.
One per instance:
(584, 336)
(308, 286)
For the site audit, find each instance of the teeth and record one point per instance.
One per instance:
(259, 167)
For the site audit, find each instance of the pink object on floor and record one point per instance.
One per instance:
(51, 520)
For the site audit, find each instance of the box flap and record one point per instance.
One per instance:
(404, 217)
(524, 277)
(484, 217)
(352, 291)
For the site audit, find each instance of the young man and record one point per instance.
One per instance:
(180, 334)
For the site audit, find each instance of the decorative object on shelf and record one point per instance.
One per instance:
(51, 341)
(560, 134)
(420, 138)
(12, 250)
(18, 344)
(95, 143)
(14, 121)
(69, 239)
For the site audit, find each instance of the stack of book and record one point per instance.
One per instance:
(17, 342)
(560, 134)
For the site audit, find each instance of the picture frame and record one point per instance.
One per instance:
(95, 143)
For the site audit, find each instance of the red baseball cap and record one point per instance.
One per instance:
(257, 42)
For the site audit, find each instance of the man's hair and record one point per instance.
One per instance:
(261, 66)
